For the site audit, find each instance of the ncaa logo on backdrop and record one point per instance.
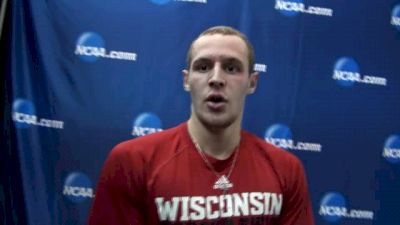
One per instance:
(24, 116)
(391, 149)
(259, 67)
(146, 123)
(395, 20)
(333, 208)
(24, 113)
(90, 46)
(292, 8)
(280, 135)
(347, 72)
(78, 187)
(163, 2)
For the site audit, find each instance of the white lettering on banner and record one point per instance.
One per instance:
(141, 131)
(374, 80)
(223, 206)
(301, 8)
(33, 120)
(391, 153)
(395, 21)
(361, 214)
(281, 142)
(24, 118)
(319, 11)
(260, 67)
(78, 191)
(343, 212)
(90, 51)
(356, 77)
(346, 75)
(289, 6)
(122, 55)
(333, 211)
(291, 145)
(102, 52)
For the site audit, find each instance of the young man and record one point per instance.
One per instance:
(207, 170)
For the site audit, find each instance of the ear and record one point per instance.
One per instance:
(253, 83)
(186, 85)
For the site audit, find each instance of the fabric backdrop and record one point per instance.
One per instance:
(86, 75)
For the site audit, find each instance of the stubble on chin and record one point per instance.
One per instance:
(215, 122)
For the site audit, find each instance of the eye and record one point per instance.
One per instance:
(232, 68)
(202, 67)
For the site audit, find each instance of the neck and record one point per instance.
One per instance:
(220, 143)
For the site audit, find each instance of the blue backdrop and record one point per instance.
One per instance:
(85, 75)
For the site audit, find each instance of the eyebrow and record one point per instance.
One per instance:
(207, 59)
(233, 60)
(202, 59)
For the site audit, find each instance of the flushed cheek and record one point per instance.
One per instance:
(239, 101)
(197, 98)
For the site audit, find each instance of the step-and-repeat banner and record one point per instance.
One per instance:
(89, 74)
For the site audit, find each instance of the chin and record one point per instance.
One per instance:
(216, 122)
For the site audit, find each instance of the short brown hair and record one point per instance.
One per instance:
(224, 30)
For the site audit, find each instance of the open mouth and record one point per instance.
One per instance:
(216, 101)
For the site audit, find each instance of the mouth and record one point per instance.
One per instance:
(216, 102)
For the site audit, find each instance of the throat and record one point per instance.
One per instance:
(219, 154)
(218, 148)
(219, 145)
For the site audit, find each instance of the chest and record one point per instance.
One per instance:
(188, 189)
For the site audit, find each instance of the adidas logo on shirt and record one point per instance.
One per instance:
(223, 183)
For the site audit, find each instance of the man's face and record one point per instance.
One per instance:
(219, 79)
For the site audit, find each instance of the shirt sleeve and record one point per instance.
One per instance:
(117, 199)
(297, 208)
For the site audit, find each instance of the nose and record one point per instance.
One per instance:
(217, 79)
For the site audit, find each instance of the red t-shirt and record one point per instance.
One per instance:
(162, 179)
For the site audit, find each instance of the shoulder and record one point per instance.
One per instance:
(150, 141)
(291, 177)
(142, 150)
(287, 167)
(279, 157)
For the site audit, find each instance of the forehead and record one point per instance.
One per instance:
(219, 46)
